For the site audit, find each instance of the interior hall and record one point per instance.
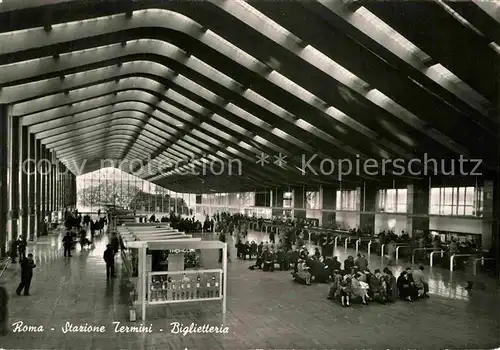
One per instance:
(249, 174)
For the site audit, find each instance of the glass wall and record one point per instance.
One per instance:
(347, 200)
(392, 200)
(113, 187)
(465, 201)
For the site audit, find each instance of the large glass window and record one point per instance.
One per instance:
(348, 200)
(312, 200)
(456, 201)
(392, 200)
(110, 186)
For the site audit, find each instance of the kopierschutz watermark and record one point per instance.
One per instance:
(201, 166)
(311, 164)
(425, 166)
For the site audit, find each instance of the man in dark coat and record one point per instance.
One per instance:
(27, 266)
(109, 258)
(21, 246)
(67, 244)
(13, 251)
(4, 300)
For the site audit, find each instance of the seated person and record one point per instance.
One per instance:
(303, 274)
(240, 247)
(404, 286)
(253, 250)
(247, 251)
(304, 253)
(349, 264)
(391, 285)
(413, 288)
(377, 286)
(318, 270)
(281, 259)
(317, 253)
(335, 286)
(420, 283)
(293, 258)
(269, 261)
(260, 260)
(346, 290)
(359, 288)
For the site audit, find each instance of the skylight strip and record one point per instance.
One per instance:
(184, 144)
(164, 135)
(248, 147)
(270, 145)
(247, 116)
(198, 144)
(489, 7)
(384, 35)
(163, 126)
(216, 131)
(212, 74)
(177, 112)
(458, 17)
(448, 75)
(293, 140)
(169, 121)
(495, 47)
(207, 138)
(255, 19)
(183, 100)
(231, 51)
(230, 125)
(259, 100)
(239, 154)
(197, 89)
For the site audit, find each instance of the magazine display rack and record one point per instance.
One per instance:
(169, 287)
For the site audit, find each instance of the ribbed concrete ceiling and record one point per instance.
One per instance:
(190, 82)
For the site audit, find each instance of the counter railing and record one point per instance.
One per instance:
(431, 256)
(452, 259)
(474, 263)
(421, 250)
(397, 250)
(359, 240)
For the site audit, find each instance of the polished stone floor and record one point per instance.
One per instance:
(265, 310)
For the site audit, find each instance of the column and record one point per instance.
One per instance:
(38, 187)
(31, 234)
(53, 190)
(48, 182)
(418, 207)
(329, 200)
(25, 198)
(368, 200)
(277, 203)
(15, 177)
(488, 217)
(43, 189)
(299, 203)
(4, 205)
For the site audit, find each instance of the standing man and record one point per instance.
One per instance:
(4, 300)
(109, 259)
(21, 245)
(13, 251)
(67, 244)
(27, 266)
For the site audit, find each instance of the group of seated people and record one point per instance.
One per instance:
(354, 281)
(381, 286)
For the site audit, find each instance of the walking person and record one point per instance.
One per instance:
(4, 302)
(21, 245)
(27, 266)
(67, 244)
(13, 251)
(109, 259)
